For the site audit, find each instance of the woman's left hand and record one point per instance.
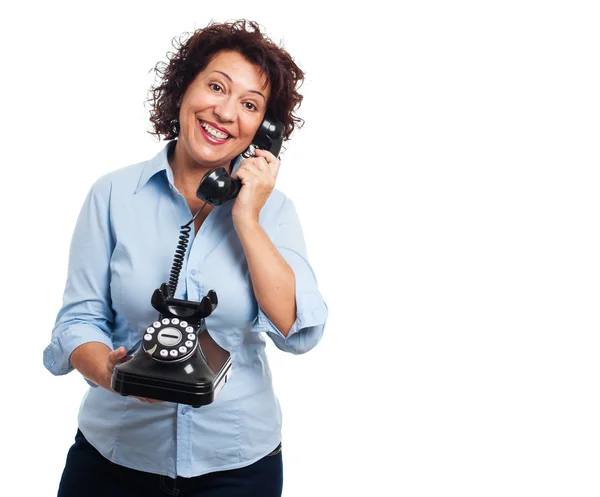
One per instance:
(258, 175)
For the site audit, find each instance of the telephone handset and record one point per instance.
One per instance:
(217, 186)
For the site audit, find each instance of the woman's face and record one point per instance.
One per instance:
(222, 109)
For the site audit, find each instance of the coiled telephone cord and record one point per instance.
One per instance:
(179, 258)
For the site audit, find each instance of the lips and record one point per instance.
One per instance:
(216, 126)
(213, 133)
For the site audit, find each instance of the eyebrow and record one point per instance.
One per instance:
(251, 91)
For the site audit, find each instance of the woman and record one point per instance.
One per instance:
(210, 100)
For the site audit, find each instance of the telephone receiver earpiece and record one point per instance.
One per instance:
(268, 137)
(218, 187)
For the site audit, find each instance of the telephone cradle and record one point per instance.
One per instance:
(178, 361)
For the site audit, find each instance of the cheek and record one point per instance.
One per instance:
(188, 122)
(248, 129)
(193, 101)
(190, 119)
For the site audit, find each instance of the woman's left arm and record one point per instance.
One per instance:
(272, 278)
(291, 309)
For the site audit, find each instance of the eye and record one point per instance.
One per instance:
(250, 106)
(215, 87)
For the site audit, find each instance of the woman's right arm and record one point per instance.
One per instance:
(95, 361)
(82, 334)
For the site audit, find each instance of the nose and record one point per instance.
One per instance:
(226, 110)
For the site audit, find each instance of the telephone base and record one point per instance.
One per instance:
(189, 382)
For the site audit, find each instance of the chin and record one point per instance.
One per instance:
(202, 155)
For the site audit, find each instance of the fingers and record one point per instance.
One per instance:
(257, 167)
(253, 166)
(147, 400)
(268, 156)
(272, 162)
(115, 356)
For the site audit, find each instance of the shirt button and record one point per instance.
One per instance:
(193, 271)
(185, 410)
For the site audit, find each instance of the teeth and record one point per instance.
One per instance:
(215, 133)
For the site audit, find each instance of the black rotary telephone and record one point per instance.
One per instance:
(178, 360)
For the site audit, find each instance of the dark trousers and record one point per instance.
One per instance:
(88, 473)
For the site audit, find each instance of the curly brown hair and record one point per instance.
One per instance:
(193, 53)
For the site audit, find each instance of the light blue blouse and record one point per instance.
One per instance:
(122, 250)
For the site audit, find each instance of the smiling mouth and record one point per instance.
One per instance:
(213, 132)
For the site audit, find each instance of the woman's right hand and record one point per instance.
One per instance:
(114, 357)
(96, 362)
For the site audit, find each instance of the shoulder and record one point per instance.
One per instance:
(278, 210)
(277, 204)
(123, 180)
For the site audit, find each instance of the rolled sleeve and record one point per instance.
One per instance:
(311, 310)
(86, 314)
(56, 355)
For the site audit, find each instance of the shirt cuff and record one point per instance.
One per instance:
(58, 353)
(306, 332)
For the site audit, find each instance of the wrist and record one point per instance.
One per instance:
(99, 376)
(90, 359)
(245, 221)
(104, 380)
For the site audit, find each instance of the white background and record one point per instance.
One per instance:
(447, 180)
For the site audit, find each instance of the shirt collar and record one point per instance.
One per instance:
(161, 163)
